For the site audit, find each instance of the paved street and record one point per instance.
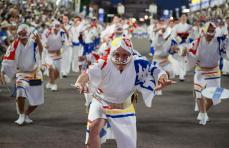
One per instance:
(170, 123)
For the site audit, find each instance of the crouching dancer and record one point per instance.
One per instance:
(115, 79)
(22, 60)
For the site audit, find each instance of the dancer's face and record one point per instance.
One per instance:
(77, 21)
(183, 18)
(57, 28)
(65, 19)
(121, 58)
(210, 33)
(23, 36)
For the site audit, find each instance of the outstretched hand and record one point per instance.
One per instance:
(184, 52)
(175, 48)
(36, 37)
(164, 82)
(82, 88)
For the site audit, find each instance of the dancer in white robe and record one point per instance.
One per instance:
(113, 81)
(225, 68)
(161, 55)
(180, 36)
(53, 60)
(76, 46)
(162, 46)
(66, 49)
(151, 32)
(22, 60)
(205, 52)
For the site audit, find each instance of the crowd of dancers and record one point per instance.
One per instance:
(111, 70)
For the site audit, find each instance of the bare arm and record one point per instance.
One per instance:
(2, 81)
(81, 82)
(39, 44)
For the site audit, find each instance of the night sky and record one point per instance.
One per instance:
(170, 4)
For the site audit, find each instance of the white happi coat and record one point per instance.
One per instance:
(108, 31)
(54, 44)
(44, 37)
(178, 61)
(114, 87)
(54, 41)
(66, 53)
(179, 28)
(89, 35)
(152, 34)
(161, 54)
(24, 63)
(77, 49)
(225, 61)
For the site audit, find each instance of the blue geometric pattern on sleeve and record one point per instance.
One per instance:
(144, 74)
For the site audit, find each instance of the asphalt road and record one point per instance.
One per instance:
(170, 123)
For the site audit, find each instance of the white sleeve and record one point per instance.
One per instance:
(9, 68)
(95, 73)
(166, 47)
(102, 49)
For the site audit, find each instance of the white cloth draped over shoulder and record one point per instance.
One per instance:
(139, 74)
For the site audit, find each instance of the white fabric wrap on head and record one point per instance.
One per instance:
(206, 26)
(23, 27)
(55, 22)
(123, 42)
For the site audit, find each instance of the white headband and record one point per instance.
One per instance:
(23, 27)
